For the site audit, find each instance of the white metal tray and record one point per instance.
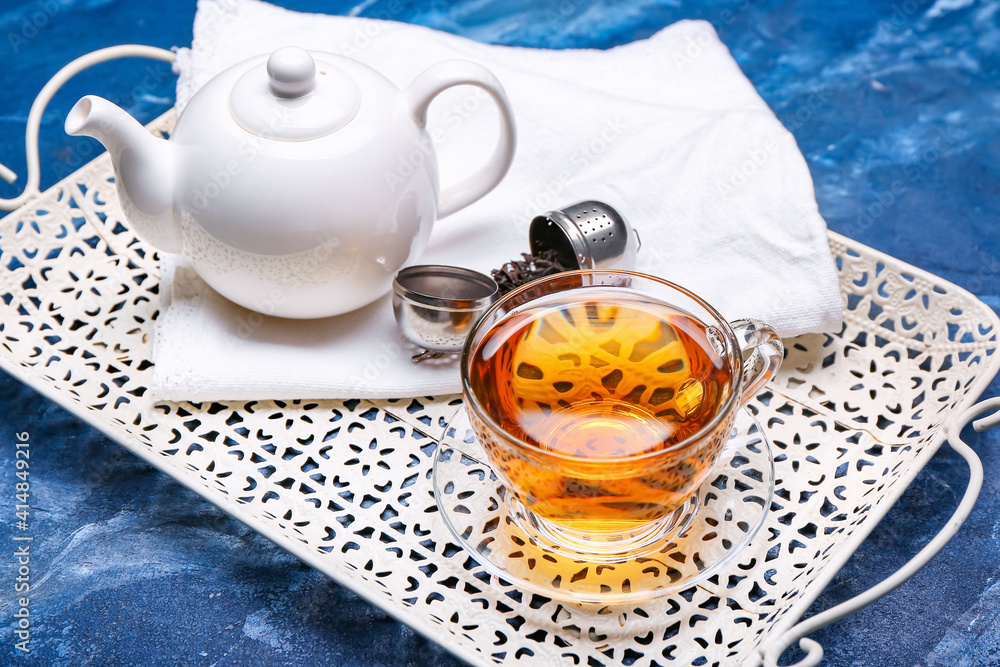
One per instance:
(345, 485)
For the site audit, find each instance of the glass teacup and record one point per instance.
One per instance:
(603, 400)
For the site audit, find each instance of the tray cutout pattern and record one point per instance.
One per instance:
(345, 485)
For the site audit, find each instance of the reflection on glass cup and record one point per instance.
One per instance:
(603, 399)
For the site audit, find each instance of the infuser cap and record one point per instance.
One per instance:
(586, 235)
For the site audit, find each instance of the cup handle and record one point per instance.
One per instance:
(447, 74)
(762, 354)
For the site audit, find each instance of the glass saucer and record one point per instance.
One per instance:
(693, 543)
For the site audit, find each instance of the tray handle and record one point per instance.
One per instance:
(768, 655)
(31, 189)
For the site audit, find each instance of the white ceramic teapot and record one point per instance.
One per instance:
(297, 184)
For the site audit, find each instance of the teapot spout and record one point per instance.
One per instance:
(143, 164)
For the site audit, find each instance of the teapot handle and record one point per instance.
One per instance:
(447, 74)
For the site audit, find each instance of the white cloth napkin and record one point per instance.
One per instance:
(667, 130)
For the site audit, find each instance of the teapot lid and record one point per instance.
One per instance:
(294, 97)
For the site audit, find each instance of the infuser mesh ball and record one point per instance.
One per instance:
(585, 235)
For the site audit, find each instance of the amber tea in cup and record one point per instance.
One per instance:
(603, 399)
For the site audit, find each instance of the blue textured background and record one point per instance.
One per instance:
(133, 569)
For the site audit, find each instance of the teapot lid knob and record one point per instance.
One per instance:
(292, 72)
(295, 95)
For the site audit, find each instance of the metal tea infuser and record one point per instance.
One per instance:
(437, 306)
